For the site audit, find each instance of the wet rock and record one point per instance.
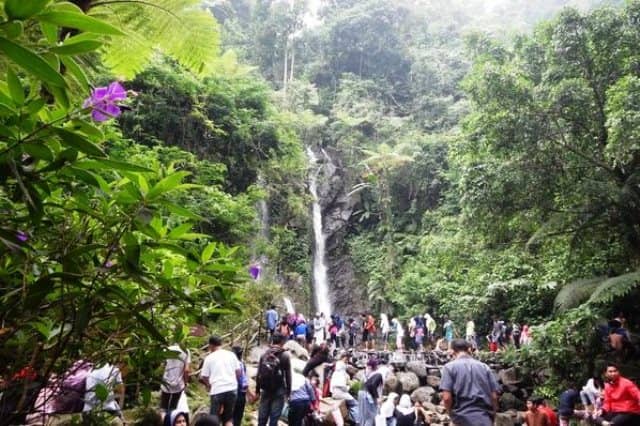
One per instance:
(433, 381)
(417, 367)
(423, 394)
(296, 350)
(508, 401)
(408, 380)
(504, 419)
(508, 376)
(392, 384)
(255, 353)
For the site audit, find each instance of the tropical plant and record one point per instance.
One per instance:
(97, 258)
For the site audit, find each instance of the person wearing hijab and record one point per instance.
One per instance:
(340, 386)
(399, 333)
(407, 414)
(368, 396)
(388, 408)
(385, 328)
(177, 418)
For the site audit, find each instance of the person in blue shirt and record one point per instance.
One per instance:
(272, 318)
(301, 332)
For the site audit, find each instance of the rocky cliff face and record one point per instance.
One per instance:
(334, 184)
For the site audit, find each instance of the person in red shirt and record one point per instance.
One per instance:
(549, 412)
(621, 405)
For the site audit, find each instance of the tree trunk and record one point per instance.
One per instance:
(285, 73)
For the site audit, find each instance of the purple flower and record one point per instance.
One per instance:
(22, 236)
(108, 264)
(254, 271)
(104, 101)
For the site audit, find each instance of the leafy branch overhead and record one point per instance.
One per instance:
(102, 242)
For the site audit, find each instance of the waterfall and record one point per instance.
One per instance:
(260, 260)
(289, 305)
(320, 281)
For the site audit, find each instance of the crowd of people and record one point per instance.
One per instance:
(418, 332)
(469, 390)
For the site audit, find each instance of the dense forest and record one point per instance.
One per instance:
(486, 148)
(484, 162)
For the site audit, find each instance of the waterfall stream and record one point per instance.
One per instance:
(320, 281)
(288, 305)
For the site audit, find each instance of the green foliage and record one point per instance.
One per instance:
(179, 28)
(563, 352)
(224, 119)
(99, 255)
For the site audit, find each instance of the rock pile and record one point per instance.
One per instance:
(419, 376)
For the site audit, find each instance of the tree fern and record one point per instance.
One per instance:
(178, 28)
(576, 293)
(596, 291)
(614, 288)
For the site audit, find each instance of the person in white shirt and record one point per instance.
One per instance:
(399, 334)
(176, 375)
(470, 335)
(221, 371)
(340, 381)
(109, 377)
(385, 328)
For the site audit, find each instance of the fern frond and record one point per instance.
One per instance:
(178, 28)
(614, 288)
(575, 293)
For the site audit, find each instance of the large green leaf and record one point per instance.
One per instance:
(106, 164)
(15, 87)
(616, 287)
(167, 184)
(79, 21)
(31, 62)
(77, 48)
(76, 71)
(181, 211)
(80, 143)
(180, 231)
(22, 9)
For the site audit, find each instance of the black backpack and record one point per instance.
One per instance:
(270, 370)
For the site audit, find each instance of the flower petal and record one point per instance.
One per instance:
(99, 93)
(117, 92)
(97, 115)
(111, 110)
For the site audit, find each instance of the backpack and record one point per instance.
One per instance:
(270, 370)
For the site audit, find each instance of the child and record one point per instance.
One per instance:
(533, 416)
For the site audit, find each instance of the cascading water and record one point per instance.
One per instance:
(289, 305)
(320, 280)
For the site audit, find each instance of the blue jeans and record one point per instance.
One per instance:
(271, 405)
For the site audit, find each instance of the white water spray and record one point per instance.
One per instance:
(320, 280)
(289, 305)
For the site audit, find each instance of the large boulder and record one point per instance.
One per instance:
(297, 350)
(508, 376)
(417, 367)
(504, 419)
(409, 381)
(392, 384)
(423, 394)
(255, 353)
(433, 381)
(508, 401)
(433, 371)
